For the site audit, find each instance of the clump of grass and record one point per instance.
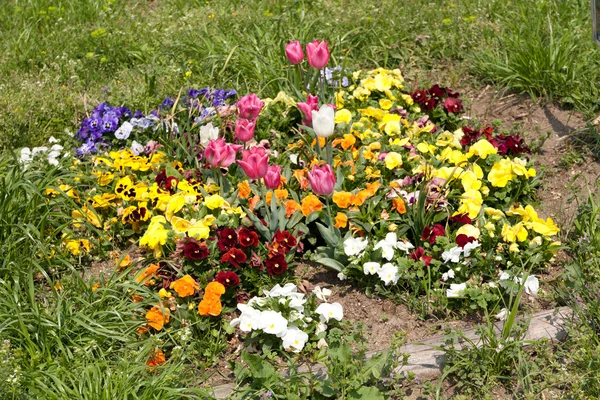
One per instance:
(545, 50)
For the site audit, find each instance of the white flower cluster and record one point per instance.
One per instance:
(259, 315)
(50, 154)
(387, 272)
(532, 283)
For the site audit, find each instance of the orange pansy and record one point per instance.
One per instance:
(359, 198)
(156, 318)
(348, 141)
(253, 202)
(310, 204)
(210, 306)
(342, 199)
(281, 194)
(214, 288)
(147, 273)
(291, 206)
(300, 175)
(185, 286)
(341, 220)
(244, 189)
(399, 205)
(157, 357)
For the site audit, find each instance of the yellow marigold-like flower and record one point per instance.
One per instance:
(482, 149)
(185, 286)
(393, 160)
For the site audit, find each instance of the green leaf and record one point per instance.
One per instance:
(331, 263)
(329, 235)
(263, 230)
(376, 364)
(312, 216)
(259, 368)
(366, 393)
(171, 171)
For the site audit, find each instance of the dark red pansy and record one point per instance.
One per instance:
(453, 105)
(418, 96)
(419, 255)
(227, 278)
(436, 91)
(461, 219)
(276, 265)
(171, 184)
(462, 240)
(235, 257)
(161, 178)
(195, 251)
(430, 233)
(285, 239)
(227, 239)
(451, 93)
(429, 103)
(247, 237)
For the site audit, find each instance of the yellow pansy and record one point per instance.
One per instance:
(471, 202)
(156, 235)
(469, 181)
(501, 173)
(482, 149)
(344, 115)
(393, 160)
(385, 104)
(469, 230)
(512, 233)
(214, 201)
(180, 225)
(175, 204)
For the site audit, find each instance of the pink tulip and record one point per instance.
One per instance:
(249, 106)
(312, 104)
(273, 177)
(244, 129)
(220, 154)
(318, 54)
(254, 162)
(322, 180)
(294, 52)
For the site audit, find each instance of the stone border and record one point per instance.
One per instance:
(427, 362)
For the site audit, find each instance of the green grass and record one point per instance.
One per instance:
(58, 59)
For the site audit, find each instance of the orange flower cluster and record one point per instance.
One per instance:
(211, 302)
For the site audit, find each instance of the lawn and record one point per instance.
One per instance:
(120, 272)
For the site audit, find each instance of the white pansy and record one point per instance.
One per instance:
(26, 155)
(388, 273)
(273, 322)
(470, 246)
(278, 291)
(322, 343)
(452, 255)
(321, 327)
(532, 285)
(37, 150)
(323, 121)
(405, 246)
(387, 246)
(328, 311)
(456, 290)
(124, 131)
(341, 276)
(137, 148)
(294, 339)
(501, 316)
(208, 132)
(504, 276)
(53, 140)
(355, 246)
(297, 301)
(250, 319)
(448, 275)
(321, 294)
(371, 268)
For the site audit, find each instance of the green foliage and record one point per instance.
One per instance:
(351, 373)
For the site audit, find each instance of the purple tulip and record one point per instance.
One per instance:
(322, 180)
(254, 162)
(273, 177)
(220, 154)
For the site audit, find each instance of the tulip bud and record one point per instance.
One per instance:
(294, 52)
(273, 177)
(254, 162)
(323, 121)
(249, 106)
(317, 53)
(322, 180)
(244, 129)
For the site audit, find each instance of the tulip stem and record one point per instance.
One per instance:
(318, 147)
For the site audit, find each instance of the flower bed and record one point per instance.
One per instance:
(387, 186)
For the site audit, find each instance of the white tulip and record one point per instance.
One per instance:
(323, 121)
(208, 132)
